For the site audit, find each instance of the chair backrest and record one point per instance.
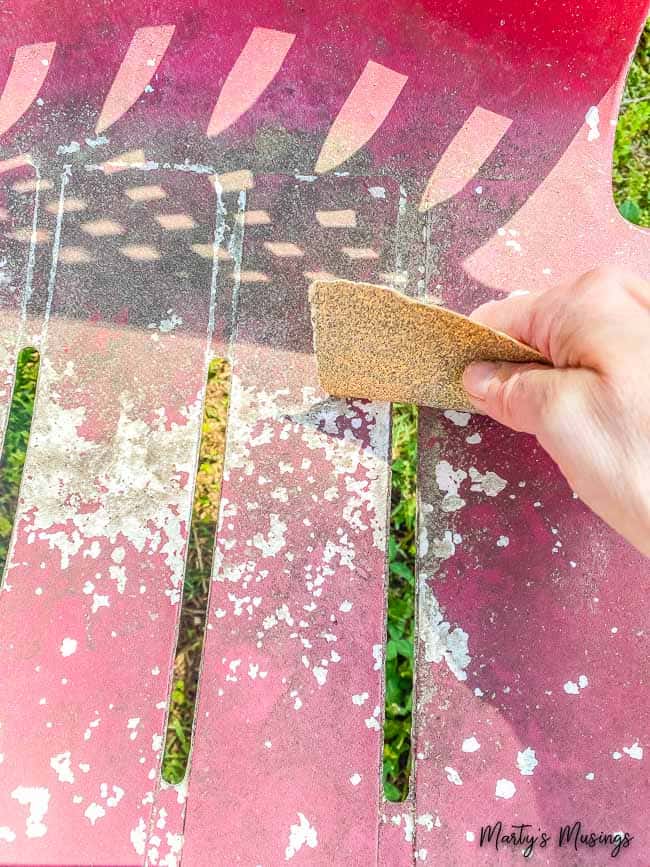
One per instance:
(469, 146)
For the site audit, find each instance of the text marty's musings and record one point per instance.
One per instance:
(568, 836)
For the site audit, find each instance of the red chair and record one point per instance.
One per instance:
(173, 174)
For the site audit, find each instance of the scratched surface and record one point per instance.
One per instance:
(171, 178)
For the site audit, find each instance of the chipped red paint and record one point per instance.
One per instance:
(515, 653)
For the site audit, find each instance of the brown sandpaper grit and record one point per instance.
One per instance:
(373, 342)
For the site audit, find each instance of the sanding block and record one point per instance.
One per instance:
(374, 342)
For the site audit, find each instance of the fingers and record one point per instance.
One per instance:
(519, 316)
(525, 397)
(588, 323)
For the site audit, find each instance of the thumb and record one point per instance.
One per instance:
(519, 396)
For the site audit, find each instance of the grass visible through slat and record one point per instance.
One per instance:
(401, 603)
(15, 445)
(205, 511)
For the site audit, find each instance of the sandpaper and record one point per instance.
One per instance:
(374, 342)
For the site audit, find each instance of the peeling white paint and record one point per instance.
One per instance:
(68, 646)
(61, 764)
(460, 419)
(592, 119)
(470, 745)
(527, 761)
(440, 640)
(444, 548)
(449, 480)
(299, 836)
(453, 776)
(488, 483)
(573, 688)
(505, 789)
(635, 751)
(139, 837)
(427, 820)
(93, 812)
(135, 471)
(275, 539)
(37, 798)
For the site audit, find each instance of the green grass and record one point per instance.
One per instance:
(197, 576)
(631, 163)
(15, 445)
(631, 170)
(401, 603)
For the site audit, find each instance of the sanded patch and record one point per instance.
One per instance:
(376, 343)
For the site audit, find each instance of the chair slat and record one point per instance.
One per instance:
(287, 749)
(95, 576)
(533, 619)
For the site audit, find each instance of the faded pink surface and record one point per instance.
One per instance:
(532, 617)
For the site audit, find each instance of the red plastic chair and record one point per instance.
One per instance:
(460, 150)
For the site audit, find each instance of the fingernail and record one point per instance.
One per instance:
(477, 378)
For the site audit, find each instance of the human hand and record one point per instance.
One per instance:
(591, 410)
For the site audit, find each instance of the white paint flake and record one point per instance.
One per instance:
(449, 481)
(93, 812)
(487, 483)
(128, 470)
(63, 768)
(139, 837)
(453, 776)
(573, 688)
(360, 698)
(460, 419)
(99, 601)
(320, 674)
(299, 836)
(274, 541)
(6, 834)
(635, 751)
(169, 323)
(527, 761)
(440, 640)
(470, 745)
(426, 820)
(443, 548)
(37, 798)
(68, 646)
(592, 119)
(355, 779)
(503, 542)
(505, 789)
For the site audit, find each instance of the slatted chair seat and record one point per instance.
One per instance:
(173, 176)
